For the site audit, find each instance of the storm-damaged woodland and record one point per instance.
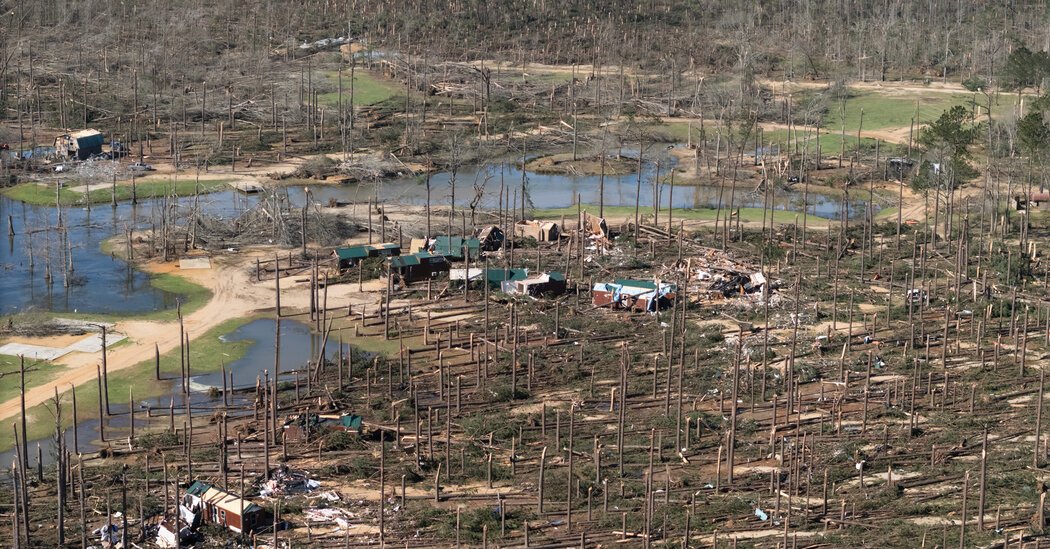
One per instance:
(525, 274)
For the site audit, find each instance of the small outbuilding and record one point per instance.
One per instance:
(541, 231)
(454, 247)
(538, 284)
(419, 266)
(1035, 201)
(494, 277)
(80, 145)
(899, 168)
(350, 256)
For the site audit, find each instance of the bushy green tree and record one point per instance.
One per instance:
(1025, 69)
(946, 141)
(1034, 134)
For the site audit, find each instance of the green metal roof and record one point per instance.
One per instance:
(90, 141)
(555, 275)
(495, 276)
(361, 252)
(356, 252)
(251, 508)
(351, 421)
(452, 246)
(198, 488)
(411, 259)
(649, 284)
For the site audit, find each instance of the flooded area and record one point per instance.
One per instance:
(299, 347)
(547, 191)
(99, 282)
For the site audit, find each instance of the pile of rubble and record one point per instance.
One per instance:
(285, 482)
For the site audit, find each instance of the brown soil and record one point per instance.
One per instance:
(583, 165)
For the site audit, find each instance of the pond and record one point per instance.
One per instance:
(546, 191)
(100, 283)
(299, 346)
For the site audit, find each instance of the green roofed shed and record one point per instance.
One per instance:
(452, 247)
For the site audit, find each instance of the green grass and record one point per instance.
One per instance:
(195, 295)
(830, 143)
(891, 111)
(206, 352)
(369, 89)
(44, 195)
(377, 344)
(537, 76)
(37, 372)
(686, 214)
(887, 214)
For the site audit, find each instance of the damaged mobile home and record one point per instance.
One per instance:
(634, 295)
(536, 285)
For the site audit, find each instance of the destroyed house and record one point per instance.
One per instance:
(1035, 201)
(537, 284)
(453, 247)
(298, 428)
(731, 284)
(541, 231)
(421, 266)
(350, 256)
(417, 245)
(203, 503)
(898, 168)
(80, 145)
(641, 295)
(595, 226)
(494, 277)
(490, 238)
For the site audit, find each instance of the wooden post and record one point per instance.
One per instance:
(539, 495)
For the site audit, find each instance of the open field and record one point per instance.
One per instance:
(41, 195)
(369, 88)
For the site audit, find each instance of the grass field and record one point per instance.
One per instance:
(369, 89)
(205, 355)
(44, 195)
(882, 111)
(830, 138)
(37, 372)
(892, 111)
(830, 143)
